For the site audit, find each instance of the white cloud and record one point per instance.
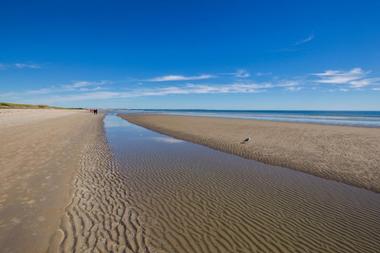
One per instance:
(27, 66)
(203, 89)
(305, 40)
(355, 78)
(4, 66)
(296, 46)
(340, 77)
(74, 86)
(365, 82)
(84, 84)
(360, 83)
(293, 88)
(167, 140)
(263, 73)
(180, 90)
(78, 84)
(42, 91)
(86, 96)
(168, 78)
(242, 73)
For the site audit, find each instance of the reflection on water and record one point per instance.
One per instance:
(194, 199)
(166, 139)
(113, 121)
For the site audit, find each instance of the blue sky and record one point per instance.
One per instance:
(192, 54)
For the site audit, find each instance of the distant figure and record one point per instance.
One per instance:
(246, 140)
(95, 111)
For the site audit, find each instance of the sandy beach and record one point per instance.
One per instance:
(346, 154)
(40, 151)
(71, 184)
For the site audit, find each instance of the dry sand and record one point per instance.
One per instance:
(40, 151)
(346, 154)
(17, 117)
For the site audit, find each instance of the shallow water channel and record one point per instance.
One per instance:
(191, 198)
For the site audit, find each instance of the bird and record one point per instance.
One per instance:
(246, 140)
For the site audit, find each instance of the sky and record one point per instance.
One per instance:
(276, 55)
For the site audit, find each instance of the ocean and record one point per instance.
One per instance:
(346, 118)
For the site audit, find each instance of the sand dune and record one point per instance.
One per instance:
(346, 154)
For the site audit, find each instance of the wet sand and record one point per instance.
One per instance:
(40, 151)
(345, 154)
(100, 216)
(190, 198)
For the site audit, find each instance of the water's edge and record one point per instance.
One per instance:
(341, 118)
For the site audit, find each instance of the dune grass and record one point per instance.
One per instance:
(6, 105)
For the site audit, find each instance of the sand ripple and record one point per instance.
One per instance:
(100, 217)
(180, 197)
(341, 153)
(194, 199)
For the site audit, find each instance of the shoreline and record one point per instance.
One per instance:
(366, 119)
(342, 153)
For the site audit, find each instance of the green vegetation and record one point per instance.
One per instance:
(5, 105)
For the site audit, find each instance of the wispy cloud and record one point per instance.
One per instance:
(4, 66)
(169, 78)
(355, 78)
(42, 91)
(293, 88)
(263, 73)
(296, 46)
(238, 82)
(305, 40)
(70, 87)
(84, 85)
(27, 66)
(340, 77)
(180, 90)
(242, 73)
(101, 95)
(365, 82)
(214, 89)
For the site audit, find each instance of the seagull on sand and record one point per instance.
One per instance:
(246, 140)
